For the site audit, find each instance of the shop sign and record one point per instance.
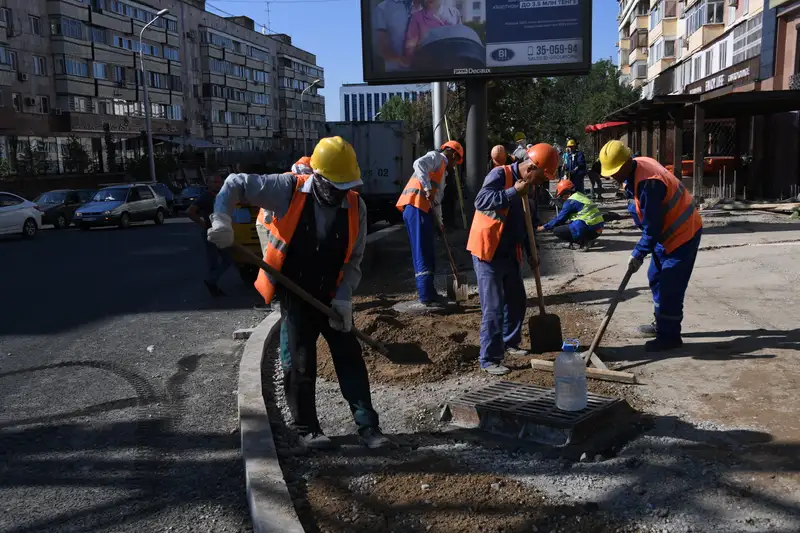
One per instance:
(738, 74)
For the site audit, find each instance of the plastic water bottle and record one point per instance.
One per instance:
(570, 377)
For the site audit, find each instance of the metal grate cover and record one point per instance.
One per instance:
(529, 412)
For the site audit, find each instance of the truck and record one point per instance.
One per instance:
(386, 153)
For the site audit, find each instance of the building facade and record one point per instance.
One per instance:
(362, 102)
(70, 69)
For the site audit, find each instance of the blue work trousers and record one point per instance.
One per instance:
(217, 261)
(669, 276)
(502, 295)
(421, 227)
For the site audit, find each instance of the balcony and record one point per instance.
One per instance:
(659, 66)
(624, 43)
(642, 23)
(704, 36)
(637, 54)
(667, 28)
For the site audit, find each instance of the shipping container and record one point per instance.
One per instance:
(386, 153)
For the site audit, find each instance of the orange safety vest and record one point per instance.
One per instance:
(262, 213)
(282, 230)
(412, 194)
(681, 221)
(487, 228)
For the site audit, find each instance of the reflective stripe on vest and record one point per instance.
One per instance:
(487, 227)
(412, 193)
(265, 217)
(590, 214)
(680, 220)
(280, 233)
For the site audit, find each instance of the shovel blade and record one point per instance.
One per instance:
(545, 333)
(457, 288)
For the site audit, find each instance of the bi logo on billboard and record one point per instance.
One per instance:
(503, 54)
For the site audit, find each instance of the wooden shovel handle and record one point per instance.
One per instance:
(534, 252)
(306, 297)
(607, 318)
(447, 247)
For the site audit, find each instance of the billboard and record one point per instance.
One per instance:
(439, 40)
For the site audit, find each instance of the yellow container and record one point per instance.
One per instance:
(244, 233)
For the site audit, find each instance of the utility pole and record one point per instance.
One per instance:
(438, 106)
(147, 98)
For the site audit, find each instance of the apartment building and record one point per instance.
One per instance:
(70, 68)
(359, 101)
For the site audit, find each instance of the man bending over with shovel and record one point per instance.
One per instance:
(496, 240)
(316, 239)
(671, 229)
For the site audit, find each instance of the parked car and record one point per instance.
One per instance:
(18, 215)
(58, 207)
(189, 195)
(120, 205)
(165, 192)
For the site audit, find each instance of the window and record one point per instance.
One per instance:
(145, 193)
(72, 67)
(709, 59)
(40, 65)
(99, 35)
(747, 39)
(35, 24)
(715, 12)
(369, 107)
(347, 108)
(100, 71)
(5, 16)
(663, 10)
(723, 55)
(697, 72)
(669, 48)
(78, 104)
(361, 113)
(8, 200)
(171, 53)
(122, 74)
(16, 102)
(44, 105)
(12, 60)
(476, 6)
(67, 27)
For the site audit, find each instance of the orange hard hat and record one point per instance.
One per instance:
(564, 186)
(499, 155)
(544, 156)
(457, 148)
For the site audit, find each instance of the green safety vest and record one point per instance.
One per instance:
(590, 214)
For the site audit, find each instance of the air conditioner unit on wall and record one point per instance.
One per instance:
(22, 76)
(30, 102)
(686, 44)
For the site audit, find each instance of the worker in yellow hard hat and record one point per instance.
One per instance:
(671, 230)
(521, 150)
(316, 239)
(575, 165)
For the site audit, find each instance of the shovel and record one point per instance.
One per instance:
(457, 288)
(544, 330)
(306, 297)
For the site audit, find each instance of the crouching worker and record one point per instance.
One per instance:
(671, 230)
(579, 221)
(496, 240)
(316, 239)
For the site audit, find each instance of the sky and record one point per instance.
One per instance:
(331, 29)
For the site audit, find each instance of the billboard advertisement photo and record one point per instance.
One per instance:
(439, 40)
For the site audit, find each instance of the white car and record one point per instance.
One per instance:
(18, 215)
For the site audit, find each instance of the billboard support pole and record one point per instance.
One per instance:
(439, 105)
(477, 135)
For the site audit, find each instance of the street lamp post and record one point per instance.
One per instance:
(303, 114)
(147, 98)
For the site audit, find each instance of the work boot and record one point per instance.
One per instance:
(496, 369)
(516, 351)
(648, 330)
(373, 438)
(316, 440)
(662, 345)
(585, 246)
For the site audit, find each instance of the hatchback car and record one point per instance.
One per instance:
(18, 215)
(58, 207)
(189, 195)
(164, 191)
(120, 205)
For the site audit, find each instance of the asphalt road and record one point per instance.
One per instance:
(117, 384)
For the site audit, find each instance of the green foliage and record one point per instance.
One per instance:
(76, 159)
(546, 109)
(5, 167)
(166, 165)
(111, 151)
(31, 159)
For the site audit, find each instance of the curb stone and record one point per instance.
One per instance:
(271, 507)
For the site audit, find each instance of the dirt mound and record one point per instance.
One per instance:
(421, 348)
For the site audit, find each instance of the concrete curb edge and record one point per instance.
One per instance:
(271, 507)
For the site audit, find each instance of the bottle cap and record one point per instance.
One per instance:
(571, 345)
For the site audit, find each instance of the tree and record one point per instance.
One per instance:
(111, 149)
(76, 159)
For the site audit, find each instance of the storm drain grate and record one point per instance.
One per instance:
(529, 412)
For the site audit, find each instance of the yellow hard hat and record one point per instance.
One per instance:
(612, 156)
(571, 143)
(335, 160)
(519, 136)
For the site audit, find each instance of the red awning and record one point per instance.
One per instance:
(602, 126)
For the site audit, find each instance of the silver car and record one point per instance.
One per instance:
(120, 205)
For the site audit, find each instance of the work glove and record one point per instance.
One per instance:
(634, 264)
(221, 231)
(343, 308)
